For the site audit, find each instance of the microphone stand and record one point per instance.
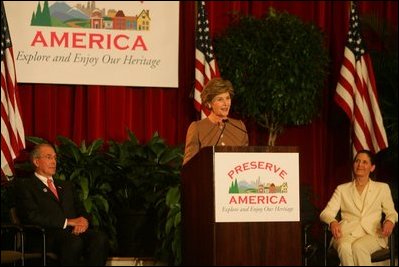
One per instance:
(224, 126)
(239, 128)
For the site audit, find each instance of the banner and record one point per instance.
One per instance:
(126, 43)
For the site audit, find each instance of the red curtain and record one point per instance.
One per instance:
(90, 112)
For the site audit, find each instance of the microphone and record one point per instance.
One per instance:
(239, 128)
(221, 133)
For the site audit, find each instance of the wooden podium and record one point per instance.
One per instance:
(206, 242)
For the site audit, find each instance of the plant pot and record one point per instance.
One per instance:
(136, 233)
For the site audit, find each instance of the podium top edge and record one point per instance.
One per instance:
(255, 148)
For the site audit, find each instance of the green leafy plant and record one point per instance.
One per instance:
(277, 66)
(144, 171)
(145, 174)
(170, 233)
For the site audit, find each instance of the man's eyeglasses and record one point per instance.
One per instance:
(49, 157)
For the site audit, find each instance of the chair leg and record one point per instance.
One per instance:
(44, 250)
(22, 250)
(392, 249)
(325, 246)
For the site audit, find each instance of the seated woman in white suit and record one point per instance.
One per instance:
(361, 202)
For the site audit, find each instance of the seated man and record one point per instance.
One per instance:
(54, 206)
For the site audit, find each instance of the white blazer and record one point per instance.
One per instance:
(354, 215)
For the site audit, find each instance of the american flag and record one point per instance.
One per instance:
(356, 92)
(12, 130)
(205, 64)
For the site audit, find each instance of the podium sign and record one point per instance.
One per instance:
(256, 187)
(240, 206)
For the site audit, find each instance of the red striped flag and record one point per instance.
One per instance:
(356, 92)
(205, 63)
(12, 130)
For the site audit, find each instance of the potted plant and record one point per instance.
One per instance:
(278, 67)
(145, 174)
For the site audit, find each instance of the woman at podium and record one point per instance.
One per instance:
(217, 129)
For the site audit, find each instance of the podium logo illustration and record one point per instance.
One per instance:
(257, 187)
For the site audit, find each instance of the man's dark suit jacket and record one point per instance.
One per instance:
(36, 204)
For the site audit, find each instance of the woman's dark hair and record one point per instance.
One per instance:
(371, 157)
(368, 153)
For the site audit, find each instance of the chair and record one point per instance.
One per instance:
(309, 248)
(32, 232)
(31, 239)
(11, 251)
(331, 255)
